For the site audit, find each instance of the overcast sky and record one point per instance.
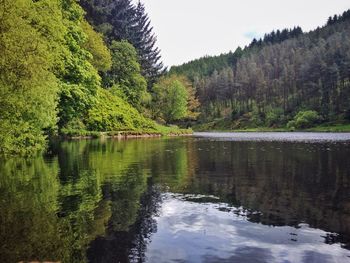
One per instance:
(189, 29)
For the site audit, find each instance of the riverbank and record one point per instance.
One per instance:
(158, 132)
(319, 128)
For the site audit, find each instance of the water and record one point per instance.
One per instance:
(209, 198)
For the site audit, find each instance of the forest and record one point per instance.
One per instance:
(286, 79)
(92, 67)
(79, 68)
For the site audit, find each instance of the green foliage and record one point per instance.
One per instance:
(49, 77)
(101, 57)
(28, 88)
(304, 119)
(274, 117)
(111, 113)
(79, 79)
(125, 73)
(170, 99)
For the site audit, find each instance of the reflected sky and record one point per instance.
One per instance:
(206, 232)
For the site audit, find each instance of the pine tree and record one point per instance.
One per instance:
(122, 18)
(144, 41)
(125, 21)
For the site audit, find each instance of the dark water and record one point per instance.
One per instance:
(202, 199)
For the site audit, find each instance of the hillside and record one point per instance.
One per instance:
(298, 80)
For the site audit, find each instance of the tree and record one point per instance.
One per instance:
(101, 57)
(144, 41)
(30, 37)
(170, 100)
(125, 73)
(79, 80)
(121, 20)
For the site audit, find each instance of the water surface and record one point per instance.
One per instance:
(208, 198)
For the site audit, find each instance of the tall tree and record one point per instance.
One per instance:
(125, 74)
(144, 41)
(122, 20)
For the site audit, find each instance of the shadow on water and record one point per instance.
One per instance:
(178, 200)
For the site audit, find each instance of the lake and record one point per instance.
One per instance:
(213, 197)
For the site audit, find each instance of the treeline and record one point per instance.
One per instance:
(61, 73)
(206, 66)
(285, 78)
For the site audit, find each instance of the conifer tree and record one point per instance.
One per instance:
(122, 20)
(144, 41)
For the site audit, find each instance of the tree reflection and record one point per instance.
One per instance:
(98, 201)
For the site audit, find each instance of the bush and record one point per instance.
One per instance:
(304, 119)
(111, 113)
(274, 117)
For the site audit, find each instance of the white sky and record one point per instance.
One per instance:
(189, 29)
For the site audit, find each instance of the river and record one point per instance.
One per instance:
(213, 197)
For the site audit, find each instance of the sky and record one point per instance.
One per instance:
(189, 29)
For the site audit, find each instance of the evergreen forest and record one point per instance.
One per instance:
(287, 79)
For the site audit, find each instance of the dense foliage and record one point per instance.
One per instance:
(122, 20)
(125, 74)
(57, 74)
(30, 37)
(174, 99)
(269, 82)
(111, 113)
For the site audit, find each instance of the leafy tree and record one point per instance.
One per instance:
(29, 47)
(170, 99)
(304, 119)
(79, 79)
(101, 57)
(125, 73)
(192, 100)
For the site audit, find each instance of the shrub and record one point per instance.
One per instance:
(111, 113)
(304, 119)
(274, 117)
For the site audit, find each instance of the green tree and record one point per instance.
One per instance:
(79, 79)
(122, 20)
(30, 37)
(125, 73)
(170, 99)
(101, 57)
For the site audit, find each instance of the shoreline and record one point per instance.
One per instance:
(324, 129)
(122, 135)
